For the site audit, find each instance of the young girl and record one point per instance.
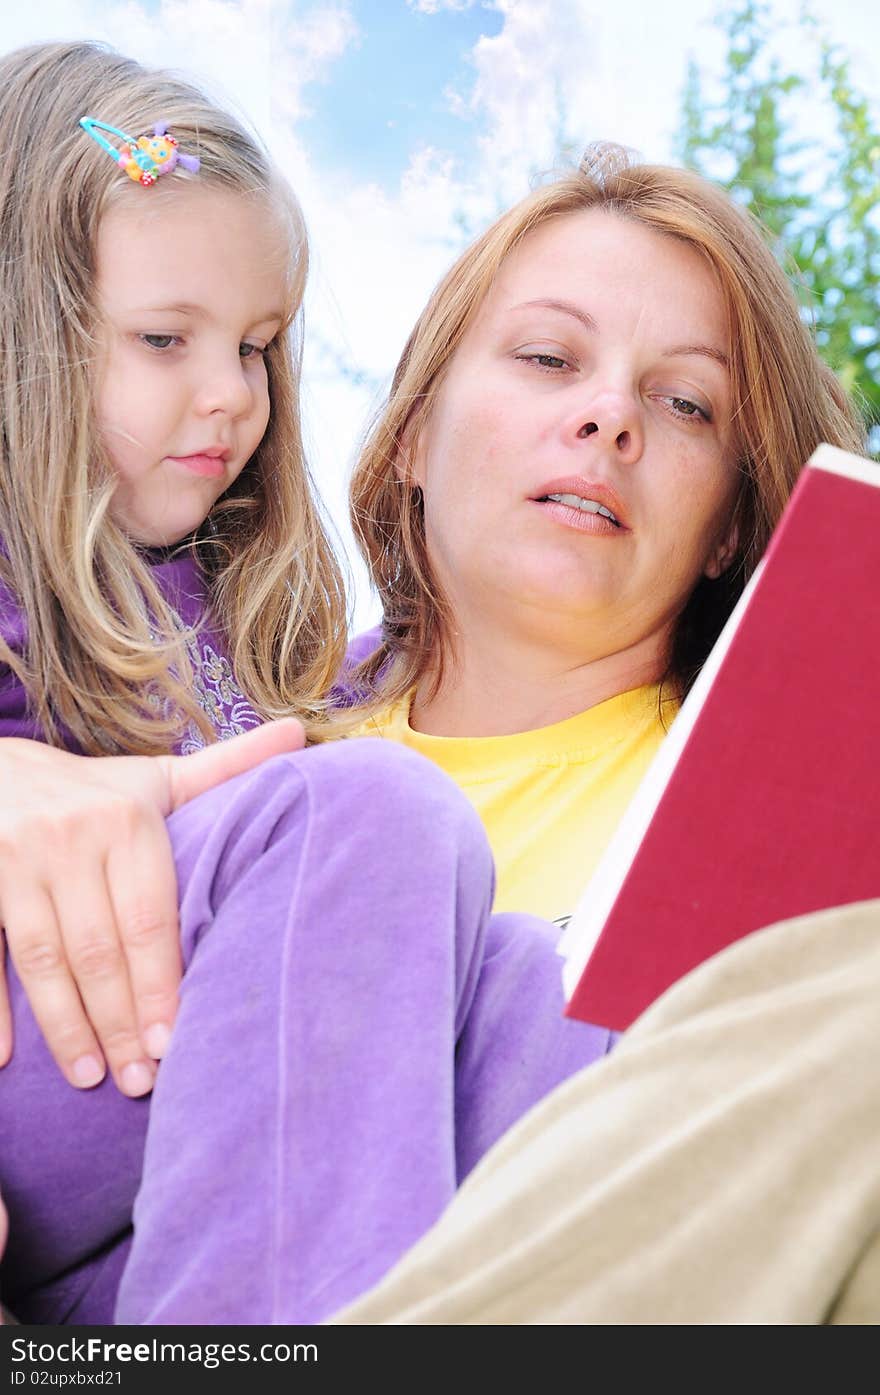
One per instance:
(165, 582)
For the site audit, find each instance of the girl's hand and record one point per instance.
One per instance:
(88, 895)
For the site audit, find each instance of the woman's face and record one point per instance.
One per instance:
(594, 377)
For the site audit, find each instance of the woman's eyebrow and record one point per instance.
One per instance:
(707, 351)
(565, 306)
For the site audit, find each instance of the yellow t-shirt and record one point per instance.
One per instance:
(549, 799)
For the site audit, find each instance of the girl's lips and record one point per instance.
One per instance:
(213, 466)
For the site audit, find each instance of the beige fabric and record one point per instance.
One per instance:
(722, 1166)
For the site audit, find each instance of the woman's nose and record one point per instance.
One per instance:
(614, 419)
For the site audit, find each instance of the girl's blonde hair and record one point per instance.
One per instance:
(102, 643)
(785, 402)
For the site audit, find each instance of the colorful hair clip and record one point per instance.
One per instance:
(146, 157)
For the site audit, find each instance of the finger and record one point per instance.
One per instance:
(35, 950)
(99, 966)
(5, 1009)
(190, 776)
(142, 884)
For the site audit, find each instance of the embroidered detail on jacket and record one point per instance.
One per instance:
(219, 697)
(216, 691)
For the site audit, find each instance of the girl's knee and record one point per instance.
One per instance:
(389, 805)
(381, 777)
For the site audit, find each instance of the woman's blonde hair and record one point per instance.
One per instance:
(102, 643)
(785, 401)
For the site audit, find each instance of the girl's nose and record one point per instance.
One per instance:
(225, 387)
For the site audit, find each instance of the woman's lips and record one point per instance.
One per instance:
(583, 522)
(591, 494)
(214, 466)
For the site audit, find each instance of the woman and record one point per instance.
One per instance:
(622, 339)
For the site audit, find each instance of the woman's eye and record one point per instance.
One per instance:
(158, 341)
(683, 407)
(250, 351)
(550, 362)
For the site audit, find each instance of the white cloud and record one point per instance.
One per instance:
(306, 48)
(530, 78)
(431, 7)
(51, 20)
(224, 45)
(569, 72)
(260, 55)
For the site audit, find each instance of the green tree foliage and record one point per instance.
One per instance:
(819, 199)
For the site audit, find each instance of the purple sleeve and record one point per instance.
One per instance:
(181, 583)
(344, 692)
(15, 719)
(362, 646)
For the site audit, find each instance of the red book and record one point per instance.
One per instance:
(764, 801)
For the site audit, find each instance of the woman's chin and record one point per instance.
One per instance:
(560, 592)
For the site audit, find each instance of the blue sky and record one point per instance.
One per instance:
(404, 125)
(388, 92)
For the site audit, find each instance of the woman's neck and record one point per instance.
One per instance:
(500, 685)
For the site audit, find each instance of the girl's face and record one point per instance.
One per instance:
(191, 290)
(593, 377)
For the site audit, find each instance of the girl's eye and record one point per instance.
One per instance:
(250, 351)
(551, 363)
(158, 341)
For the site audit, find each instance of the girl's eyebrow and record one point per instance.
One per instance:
(177, 307)
(198, 312)
(568, 308)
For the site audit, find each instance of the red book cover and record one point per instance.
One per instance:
(764, 801)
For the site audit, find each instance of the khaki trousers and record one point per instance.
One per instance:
(721, 1166)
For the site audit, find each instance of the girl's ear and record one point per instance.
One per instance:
(722, 553)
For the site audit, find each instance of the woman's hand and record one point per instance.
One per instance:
(88, 895)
